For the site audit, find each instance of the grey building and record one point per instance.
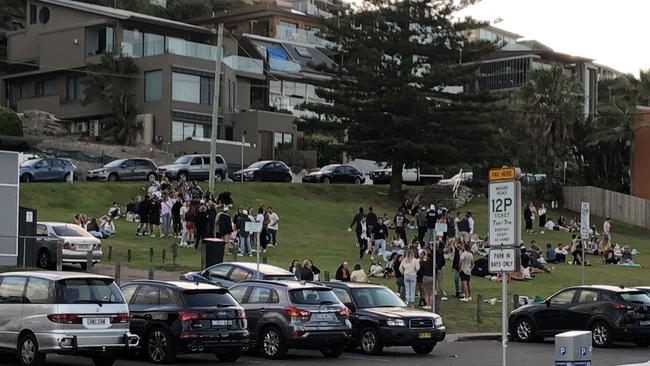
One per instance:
(174, 86)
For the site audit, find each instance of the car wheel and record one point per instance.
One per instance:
(524, 331)
(113, 177)
(26, 178)
(326, 180)
(357, 181)
(28, 353)
(44, 259)
(257, 178)
(273, 346)
(218, 176)
(103, 360)
(151, 177)
(288, 179)
(181, 176)
(159, 347)
(642, 342)
(332, 351)
(230, 355)
(601, 335)
(370, 342)
(423, 349)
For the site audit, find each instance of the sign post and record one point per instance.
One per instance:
(255, 227)
(504, 235)
(584, 234)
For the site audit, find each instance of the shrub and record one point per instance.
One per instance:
(10, 124)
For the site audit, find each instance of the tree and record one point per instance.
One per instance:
(111, 81)
(552, 103)
(388, 92)
(10, 124)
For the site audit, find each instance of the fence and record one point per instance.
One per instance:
(620, 207)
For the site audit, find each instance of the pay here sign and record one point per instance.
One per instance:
(502, 214)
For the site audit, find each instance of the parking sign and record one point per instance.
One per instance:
(502, 214)
(584, 220)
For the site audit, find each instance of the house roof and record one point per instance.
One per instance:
(125, 15)
(252, 11)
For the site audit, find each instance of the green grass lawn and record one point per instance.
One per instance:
(313, 223)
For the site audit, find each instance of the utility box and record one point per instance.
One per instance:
(573, 349)
(27, 256)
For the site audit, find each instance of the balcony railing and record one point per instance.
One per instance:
(245, 64)
(310, 9)
(179, 46)
(302, 36)
(279, 64)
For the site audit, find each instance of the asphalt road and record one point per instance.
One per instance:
(461, 353)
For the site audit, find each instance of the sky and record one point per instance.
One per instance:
(613, 32)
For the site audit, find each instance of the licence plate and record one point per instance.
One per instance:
(221, 323)
(424, 335)
(95, 322)
(83, 246)
(645, 322)
(324, 317)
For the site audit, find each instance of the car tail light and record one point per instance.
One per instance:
(120, 318)
(297, 313)
(191, 315)
(65, 318)
(344, 312)
(619, 306)
(68, 245)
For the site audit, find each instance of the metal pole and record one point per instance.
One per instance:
(582, 260)
(433, 294)
(504, 316)
(258, 253)
(215, 106)
(243, 141)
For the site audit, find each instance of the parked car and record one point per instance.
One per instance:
(265, 171)
(645, 289)
(179, 317)
(460, 178)
(413, 176)
(227, 274)
(610, 313)
(65, 313)
(381, 319)
(195, 167)
(293, 314)
(335, 173)
(77, 242)
(125, 169)
(47, 170)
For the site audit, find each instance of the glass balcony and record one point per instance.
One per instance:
(245, 64)
(302, 36)
(179, 46)
(310, 9)
(279, 64)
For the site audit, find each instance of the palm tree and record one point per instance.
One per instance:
(552, 103)
(112, 81)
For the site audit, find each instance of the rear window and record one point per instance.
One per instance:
(313, 296)
(635, 297)
(280, 278)
(69, 230)
(89, 291)
(201, 299)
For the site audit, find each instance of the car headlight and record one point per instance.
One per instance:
(248, 173)
(395, 323)
(437, 321)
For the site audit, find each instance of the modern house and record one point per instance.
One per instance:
(173, 88)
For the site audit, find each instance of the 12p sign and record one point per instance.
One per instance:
(502, 213)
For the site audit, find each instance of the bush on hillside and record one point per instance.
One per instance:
(10, 124)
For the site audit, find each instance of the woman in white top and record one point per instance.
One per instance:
(409, 268)
(541, 211)
(398, 243)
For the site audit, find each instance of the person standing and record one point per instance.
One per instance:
(166, 216)
(225, 198)
(466, 266)
(272, 228)
(542, 216)
(528, 217)
(409, 268)
(154, 216)
(306, 273)
(455, 265)
(244, 236)
(371, 221)
(426, 268)
(202, 220)
(225, 225)
(401, 222)
(176, 217)
(182, 211)
(421, 220)
(143, 212)
(262, 218)
(432, 219)
(440, 274)
(362, 237)
(470, 221)
(190, 217)
(379, 236)
(607, 229)
(464, 229)
(356, 222)
(399, 276)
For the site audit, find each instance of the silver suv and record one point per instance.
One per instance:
(125, 169)
(64, 313)
(193, 167)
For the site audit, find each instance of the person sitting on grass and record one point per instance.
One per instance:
(376, 270)
(358, 275)
(627, 255)
(343, 273)
(550, 254)
(608, 256)
(114, 211)
(93, 229)
(106, 226)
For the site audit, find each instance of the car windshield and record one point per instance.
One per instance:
(280, 278)
(30, 162)
(70, 230)
(635, 297)
(183, 160)
(88, 291)
(313, 296)
(258, 165)
(114, 163)
(212, 298)
(329, 168)
(376, 298)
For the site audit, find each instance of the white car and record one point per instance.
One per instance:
(460, 178)
(77, 242)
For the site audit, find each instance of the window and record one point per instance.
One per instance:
(219, 271)
(282, 141)
(152, 85)
(11, 290)
(343, 295)
(239, 274)
(167, 297)
(154, 44)
(207, 90)
(186, 88)
(303, 51)
(201, 299)
(587, 297)
(376, 297)
(44, 15)
(563, 298)
(128, 291)
(33, 14)
(313, 296)
(93, 290)
(259, 295)
(99, 40)
(147, 295)
(41, 230)
(230, 133)
(44, 88)
(239, 292)
(70, 230)
(190, 131)
(132, 43)
(39, 291)
(75, 89)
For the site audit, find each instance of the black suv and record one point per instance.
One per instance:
(380, 319)
(265, 171)
(610, 313)
(184, 317)
(335, 173)
(292, 314)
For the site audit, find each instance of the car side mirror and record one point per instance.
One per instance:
(124, 166)
(548, 303)
(350, 306)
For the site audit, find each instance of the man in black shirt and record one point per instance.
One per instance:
(225, 198)
(432, 218)
(379, 235)
(371, 220)
(401, 222)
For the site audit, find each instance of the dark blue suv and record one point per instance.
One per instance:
(227, 274)
(47, 170)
